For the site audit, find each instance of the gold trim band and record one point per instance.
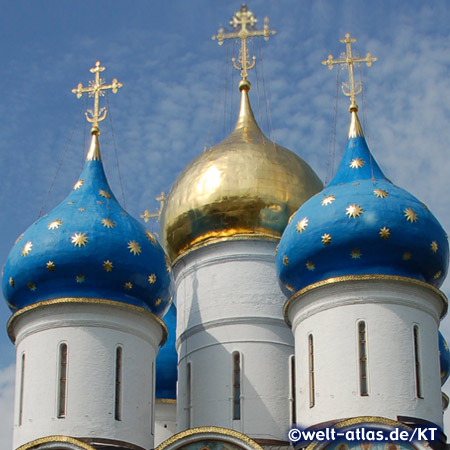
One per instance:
(216, 240)
(200, 431)
(57, 438)
(334, 280)
(85, 300)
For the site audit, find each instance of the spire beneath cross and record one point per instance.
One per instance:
(96, 89)
(244, 22)
(350, 89)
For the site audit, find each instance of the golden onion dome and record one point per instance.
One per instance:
(244, 187)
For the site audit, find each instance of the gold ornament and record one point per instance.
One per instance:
(50, 266)
(326, 239)
(11, 281)
(355, 254)
(78, 184)
(31, 286)
(134, 247)
(55, 224)
(150, 237)
(79, 239)
(152, 278)
(411, 215)
(354, 211)
(434, 246)
(285, 260)
(108, 266)
(104, 193)
(310, 266)
(356, 163)
(128, 285)
(381, 193)
(301, 225)
(108, 223)
(328, 200)
(158, 302)
(27, 248)
(385, 233)
(406, 256)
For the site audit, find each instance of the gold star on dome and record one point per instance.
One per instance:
(134, 247)
(27, 248)
(50, 266)
(354, 211)
(79, 239)
(81, 209)
(31, 286)
(168, 268)
(434, 247)
(128, 285)
(104, 193)
(108, 223)
(285, 260)
(55, 224)
(289, 287)
(381, 193)
(100, 202)
(19, 238)
(445, 345)
(108, 266)
(356, 163)
(78, 184)
(301, 224)
(152, 278)
(11, 281)
(437, 274)
(406, 256)
(355, 254)
(150, 237)
(276, 249)
(328, 200)
(385, 233)
(158, 302)
(326, 239)
(411, 215)
(124, 214)
(80, 278)
(310, 266)
(70, 203)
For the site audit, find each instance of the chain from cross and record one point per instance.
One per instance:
(96, 89)
(353, 89)
(244, 22)
(147, 215)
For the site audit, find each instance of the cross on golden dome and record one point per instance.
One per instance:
(353, 89)
(96, 89)
(147, 216)
(244, 22)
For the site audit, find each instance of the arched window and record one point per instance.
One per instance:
(292, 389)
(362, 339)
(417, 368)
(118, 385)
(22, 379)
(236, 386)
(189, 394)
(312, 392)
(62, 384)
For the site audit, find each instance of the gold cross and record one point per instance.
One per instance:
(353, 89)
(147, 216)
(244, 22)
(96, 89)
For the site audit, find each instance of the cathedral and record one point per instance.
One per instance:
(267, 302)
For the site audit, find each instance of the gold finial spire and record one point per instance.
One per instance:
(96, 89)
(353, 89)
(244, 22)
(161, 199)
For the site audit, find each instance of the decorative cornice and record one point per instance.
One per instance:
(370, 277)
(213, 433)
(83, 300)
(56, 439)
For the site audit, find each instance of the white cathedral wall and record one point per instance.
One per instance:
(92, 334)
(390, 310)
(228, 300)
(165, 419)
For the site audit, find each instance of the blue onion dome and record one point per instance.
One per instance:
(361, 224)
(88, 247)
(167, 360)
(444, 359)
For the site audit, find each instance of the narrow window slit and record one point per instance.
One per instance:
(312, 393)
(62, 385)
(236, 386)
(118, 385)
(362, 335)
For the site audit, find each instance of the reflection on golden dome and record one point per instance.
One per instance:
(246, 185)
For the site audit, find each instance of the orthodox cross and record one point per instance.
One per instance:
(244, 22)
(353, 89)
(147, 216)
(96, 89)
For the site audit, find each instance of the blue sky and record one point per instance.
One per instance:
(180, 95)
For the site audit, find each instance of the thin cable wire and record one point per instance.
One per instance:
(266, 97)
(115, 151)
(225, 97)
(258, 92)
(215, 115)
(363, 103)
(332, 142)
(77, 120)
